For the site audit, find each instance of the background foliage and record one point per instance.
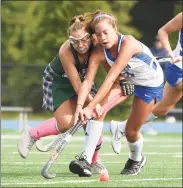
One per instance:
(32, 32)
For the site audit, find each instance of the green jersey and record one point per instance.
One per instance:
(57, 87)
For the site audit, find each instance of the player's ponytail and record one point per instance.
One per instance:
(75, 19)
(76, 23)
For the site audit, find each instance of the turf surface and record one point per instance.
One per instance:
(163, 167)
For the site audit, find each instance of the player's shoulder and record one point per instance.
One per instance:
(128, 38)
(130, 42)
(65, 48)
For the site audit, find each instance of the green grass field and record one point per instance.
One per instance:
(163, 167)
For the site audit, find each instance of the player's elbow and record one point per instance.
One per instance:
(161, 32)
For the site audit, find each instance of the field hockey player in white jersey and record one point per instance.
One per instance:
(130, 58)
(172, 91)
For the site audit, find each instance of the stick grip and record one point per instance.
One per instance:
(113, 100)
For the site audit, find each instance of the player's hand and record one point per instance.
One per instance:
(87, 114)
(78, 114)
(174, 59)
(98, 111)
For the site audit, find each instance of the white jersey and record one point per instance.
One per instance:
(179, 48)
(142, 69)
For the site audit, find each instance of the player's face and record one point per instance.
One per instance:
(106, 34)
(80, 40)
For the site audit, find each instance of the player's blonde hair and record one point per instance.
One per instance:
(92, 19)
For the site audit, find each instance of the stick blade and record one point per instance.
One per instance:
(45, 169)
(43, 148)
(48, 147)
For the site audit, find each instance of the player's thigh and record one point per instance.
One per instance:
(178, 87)
(64, 114)
(139, 113)
(171, 95)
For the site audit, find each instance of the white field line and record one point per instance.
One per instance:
(105, 154)
(105, 138)
(89, 181)
(177, 156)
(67, 162)
(147, 153)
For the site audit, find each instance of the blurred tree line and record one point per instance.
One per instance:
(32, 32)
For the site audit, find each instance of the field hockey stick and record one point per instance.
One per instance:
(165, 59)
(53, 144)
(58, 150)
(45, 170)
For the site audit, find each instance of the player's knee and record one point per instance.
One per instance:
(165, 111)
(63, 127)
(162, 111)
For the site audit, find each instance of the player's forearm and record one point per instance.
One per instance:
(77, 85)
(83, 94)
(111, 77)
(99, 97)
(89, 98)
(104, 89)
